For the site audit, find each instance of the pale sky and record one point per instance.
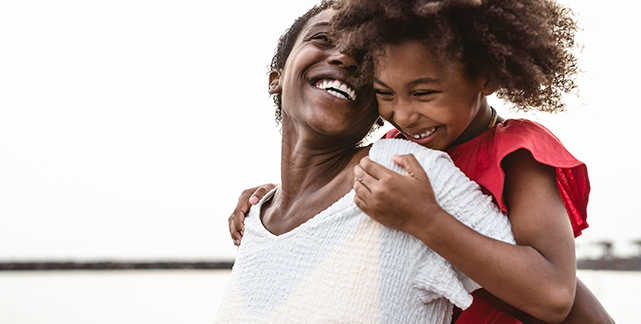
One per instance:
(129, 128)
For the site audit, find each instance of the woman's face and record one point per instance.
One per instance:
(431, 102)
(315, 85)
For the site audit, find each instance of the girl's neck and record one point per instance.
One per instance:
(485, 118)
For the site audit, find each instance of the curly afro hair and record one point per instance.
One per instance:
(525, 47)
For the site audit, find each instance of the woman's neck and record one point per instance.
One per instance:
(314, 175)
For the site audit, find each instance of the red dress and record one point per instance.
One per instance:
(480, 159)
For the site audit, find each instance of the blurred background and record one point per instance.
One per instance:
(129, 128)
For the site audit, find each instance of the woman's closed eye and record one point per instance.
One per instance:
(322, 37)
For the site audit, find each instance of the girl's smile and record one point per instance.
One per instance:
(432, 101)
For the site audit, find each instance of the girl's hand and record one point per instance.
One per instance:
(403, 202)
(248, 198)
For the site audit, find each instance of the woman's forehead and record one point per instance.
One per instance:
(322, 19)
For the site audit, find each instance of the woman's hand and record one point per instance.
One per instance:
(403, 202)
(248, 198)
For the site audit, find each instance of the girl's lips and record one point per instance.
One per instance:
(422, 134)
(422, 138)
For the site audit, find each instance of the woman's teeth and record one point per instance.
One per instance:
(424, 135)
(337, 89)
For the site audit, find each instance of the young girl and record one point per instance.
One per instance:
(432, 64)
(309, 254)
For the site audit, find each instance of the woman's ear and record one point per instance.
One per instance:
(274, 83)
(489, 87)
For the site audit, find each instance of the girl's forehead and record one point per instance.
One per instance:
(412, 58)
(405, 51)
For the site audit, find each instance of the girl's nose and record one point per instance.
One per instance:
(404, 116)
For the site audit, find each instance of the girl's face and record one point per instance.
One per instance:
(315, 85)
(431, 102)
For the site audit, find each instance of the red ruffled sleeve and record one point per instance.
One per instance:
(480, 159)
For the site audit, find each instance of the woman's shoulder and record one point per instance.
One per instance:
(383, 150)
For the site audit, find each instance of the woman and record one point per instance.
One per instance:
(308, 253)
(582, 292)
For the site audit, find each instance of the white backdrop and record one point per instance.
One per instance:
(128, 128)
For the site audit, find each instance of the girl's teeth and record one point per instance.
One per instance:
(424, 135)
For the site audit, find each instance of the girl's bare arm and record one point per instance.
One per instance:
(538, 275)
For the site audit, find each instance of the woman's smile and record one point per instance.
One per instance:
(317, 88)
(337, 88)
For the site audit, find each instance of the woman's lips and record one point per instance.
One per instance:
(337, 88)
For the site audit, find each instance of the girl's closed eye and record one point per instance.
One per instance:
(383, 94)
(423, 94)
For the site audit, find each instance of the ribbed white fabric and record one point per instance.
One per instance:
(343, 267)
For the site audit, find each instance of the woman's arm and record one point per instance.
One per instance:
(537, 275)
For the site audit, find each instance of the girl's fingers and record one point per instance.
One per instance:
(364, 179)
(360, 203)
(236, 235)
(373, 169)
(361, 190)
(239, 223)
(411, 165)
(261, 192)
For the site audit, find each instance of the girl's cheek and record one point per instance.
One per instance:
(385, 109)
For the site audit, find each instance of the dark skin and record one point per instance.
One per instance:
(321, 131)
(437, 104)
(586, 308)
(520, 165)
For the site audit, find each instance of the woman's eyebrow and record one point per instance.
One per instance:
(320, 23)
(427, 80)
(317, 25)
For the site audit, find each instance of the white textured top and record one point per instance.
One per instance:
(343, 267)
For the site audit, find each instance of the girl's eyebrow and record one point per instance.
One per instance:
(423, 80)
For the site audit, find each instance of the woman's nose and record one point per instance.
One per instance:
(340, 58)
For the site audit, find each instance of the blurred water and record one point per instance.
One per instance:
(190, 296)
(101, 297)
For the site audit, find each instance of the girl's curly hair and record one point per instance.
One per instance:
(525, 47)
